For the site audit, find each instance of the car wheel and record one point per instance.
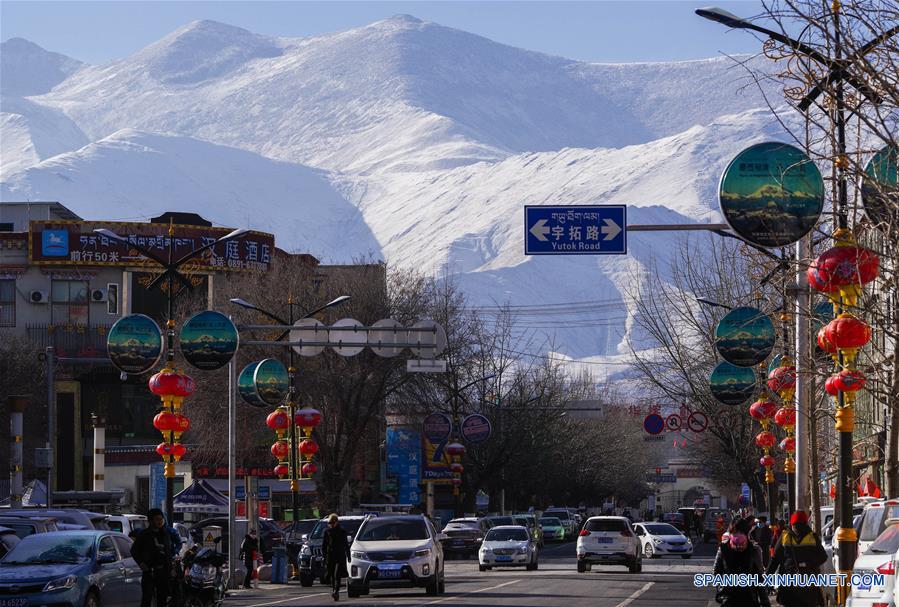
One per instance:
(634, 566)
(581, 567)
(92, 599)
(536, 565)
(352, 591)
(433, 587)
(648, 551)
(482, 568)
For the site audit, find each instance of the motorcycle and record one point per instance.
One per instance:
(206, 580)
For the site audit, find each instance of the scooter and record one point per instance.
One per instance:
(206, 581)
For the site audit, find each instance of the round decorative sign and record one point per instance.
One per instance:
(880, 187)
(732, 385)
(437, 427)
(271, 381)
(653, 424)
(745, 337)
(476, 428)
(208, 340)
(246, 386)
(771, 194)
(134, 344)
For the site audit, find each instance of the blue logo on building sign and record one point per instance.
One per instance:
(55, 243)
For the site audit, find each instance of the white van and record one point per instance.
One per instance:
(126, 523)
(874, 521)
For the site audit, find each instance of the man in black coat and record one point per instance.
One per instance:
(153, 551)
(336, 550)
(249, 548)
(762, 535)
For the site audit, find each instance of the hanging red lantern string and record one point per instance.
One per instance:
(172, 388)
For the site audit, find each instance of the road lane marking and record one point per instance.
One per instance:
(294, 598)
(456, 596)
(635, 596)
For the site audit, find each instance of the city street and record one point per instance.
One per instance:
(555, 583)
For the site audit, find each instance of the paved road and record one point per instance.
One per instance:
(663, 583)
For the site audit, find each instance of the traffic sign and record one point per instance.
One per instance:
(653, 424)
(673, 422)
(697, 422)
(575, 230)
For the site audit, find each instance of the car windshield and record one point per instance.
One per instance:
(393, 530)
(887, 542)
(462, 525)
(550, 521)
(301, 528)
(115, 525)
(522, 520)
(496, 521)
(871, 524)
(662, 530)
(351, 526)
(22, 529)
(43, 548)
(560, 514)
(606, 524)
(506, 535)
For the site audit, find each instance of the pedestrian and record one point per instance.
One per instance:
(336, 552)
(745, 526)
(762, 535)
(798, 551)
(153, 551)
(735, 557)
(249, 548)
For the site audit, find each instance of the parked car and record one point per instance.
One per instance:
(508, 546)
(8, 540)
(269, 533)
(608, 540)
(880, 557)
(463, 536)
(495, 520)
(675, 519)
(296, 535)
(553, 529)
(72, 516)
(567, 519)
(662, 539)
(126, 523)
(78, 568)
(529, 521)
(312, 564)
(711, 522)
(28, 525)
(397, 551)
(874, 521)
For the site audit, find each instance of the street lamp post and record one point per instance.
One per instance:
(170, 274)
(291, 389)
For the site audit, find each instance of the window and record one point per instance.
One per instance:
(605, 524)
(106, 545)
(507, 535)
(69, 300)
(124, 545)
(393, 530)
(7, 303)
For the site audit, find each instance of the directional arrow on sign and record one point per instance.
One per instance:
(610, 230)
(539, 230)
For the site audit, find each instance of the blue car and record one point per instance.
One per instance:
(70, 568)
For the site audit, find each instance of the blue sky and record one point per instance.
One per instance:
(632, 30)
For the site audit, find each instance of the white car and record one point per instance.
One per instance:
(880, 558)
(662, 539)
(874, 521)
(126, 523)
(608, 540)
(396, 552)
(508, 546)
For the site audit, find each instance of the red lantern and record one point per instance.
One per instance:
(767, 460)
(824, 343)
(457, 468)
(782, 378)
(765, 439)
(178, 450)
(843, 266)
(762, 409)
(847, 332)
(307, 418)
(165, 422)
(455, 449)
(280, 449)
(182, 424)
(785, 416)
(849, 380)
(457, 482)
(830, 386)
(308, 448)
(164, 449)
(282, 470)
(788, 444)
(169, 383)
(278, 420)
(309, 469)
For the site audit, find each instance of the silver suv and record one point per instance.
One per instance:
(396, 552)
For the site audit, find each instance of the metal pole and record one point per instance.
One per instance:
(293, 458)
(17, 406)
(51, 424)
(99, 424)
(803, 376)
(232, 485)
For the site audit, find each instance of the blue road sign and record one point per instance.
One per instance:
(575, 230)
(653, 424)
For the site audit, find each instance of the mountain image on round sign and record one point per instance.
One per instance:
(476, 428)
(880, 188)
(771, 194)
(208, 340)
(134, 344)
(246, 387)
(745, 336)
(270, 381)
(732, 385)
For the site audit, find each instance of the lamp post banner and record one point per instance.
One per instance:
(246, 386)
(270, 380)
(771, 194)
(732, 385)
(745, 337)
(208, 340)
(476, 428)
(134, 344)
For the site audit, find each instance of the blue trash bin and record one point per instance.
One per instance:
(279, 565)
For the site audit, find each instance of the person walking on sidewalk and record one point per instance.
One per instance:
(249, 548)
(336, 550)
(798, 551)
(153, 551)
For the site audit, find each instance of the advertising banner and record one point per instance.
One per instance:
(732, 385)
(404, 462)
(134, 344)
(745, 336)
(208, 340)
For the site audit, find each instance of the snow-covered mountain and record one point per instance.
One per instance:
(402, 138)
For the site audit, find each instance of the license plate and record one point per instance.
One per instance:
(604, 540)
(677, 548)
(13, 602)
(503, 559)
(458, 542)
(864, 586)
(390, 573)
